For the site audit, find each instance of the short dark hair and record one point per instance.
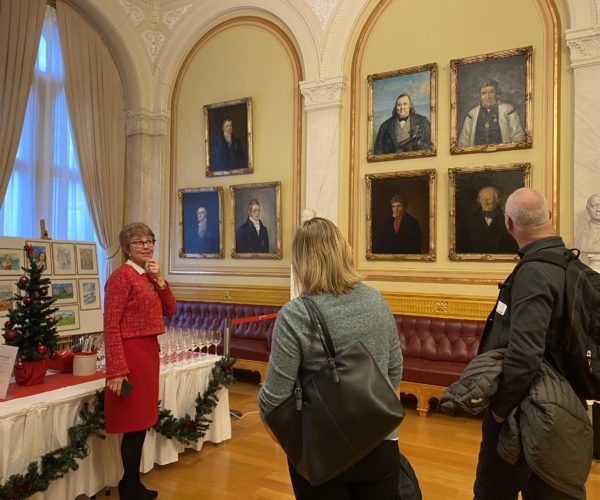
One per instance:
(398, 198)
(490, 82)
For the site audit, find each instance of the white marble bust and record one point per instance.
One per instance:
(590, 233)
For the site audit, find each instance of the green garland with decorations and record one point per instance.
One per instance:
(55, 464)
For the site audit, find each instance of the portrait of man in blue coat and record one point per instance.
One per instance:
(252, 236)
(226, 150)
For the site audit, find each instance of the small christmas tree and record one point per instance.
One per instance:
(31, 326)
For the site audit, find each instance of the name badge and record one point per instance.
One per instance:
(501, 308)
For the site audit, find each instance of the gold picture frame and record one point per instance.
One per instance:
(228, 137)
(476, 221)
(247, 242)
(201, 230)
(411, 94)
(409, 196)
(500, 82)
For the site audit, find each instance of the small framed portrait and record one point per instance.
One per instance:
(89, 293)
(11, 261)
(228, 136)
(87, 262)
(477, 198)
(8, 288)
(64, 291)
(257, 220)
(402, 113)
(63, 258)
(67, 318)
(201, 216)
(41, 255)
(401, 215)
(490, 101)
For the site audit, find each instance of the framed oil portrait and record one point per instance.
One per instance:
(402, 113)
(477, 197)
(401, 215)
(491, 102)
(228, 137)
(87, 262)
(11, 261)
(65, 291)
(8, 289)
(63, 258)
(201, 216)
(41, 255)
(256, 225)
(89, 293)
(67, 318)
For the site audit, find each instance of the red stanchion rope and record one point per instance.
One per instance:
(250, 319)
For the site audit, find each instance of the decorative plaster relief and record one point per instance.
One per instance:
(322, 93)
(584, 46)
(146, 123)
(133, 11)
(322, 9)
(153, 41)
(171, 17)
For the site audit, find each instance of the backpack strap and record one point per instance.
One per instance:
(551, 257)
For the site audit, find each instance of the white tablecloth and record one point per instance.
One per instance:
(34, 425)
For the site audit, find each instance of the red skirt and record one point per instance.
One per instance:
(139, 409)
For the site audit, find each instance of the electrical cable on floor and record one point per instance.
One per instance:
(240, 415)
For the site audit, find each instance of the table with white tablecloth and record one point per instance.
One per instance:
(33, 425)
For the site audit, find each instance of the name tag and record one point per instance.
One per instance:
(501, 308)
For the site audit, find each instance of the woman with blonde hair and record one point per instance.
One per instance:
(136, 298)
(323, 269)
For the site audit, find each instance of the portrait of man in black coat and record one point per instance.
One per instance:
(404, 131)
(252, 235)
(483, 230)
(226, 150)
(400, 232)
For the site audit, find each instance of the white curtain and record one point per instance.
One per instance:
(45, 181)
(20, 27)
(96, 106)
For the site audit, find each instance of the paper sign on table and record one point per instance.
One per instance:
(8, 354)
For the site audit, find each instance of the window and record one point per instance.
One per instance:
(45, 182)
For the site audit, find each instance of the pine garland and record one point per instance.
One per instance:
(55, 464)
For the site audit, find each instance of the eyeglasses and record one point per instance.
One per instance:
(142, 244)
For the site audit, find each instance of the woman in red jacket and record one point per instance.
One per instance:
(136, 298)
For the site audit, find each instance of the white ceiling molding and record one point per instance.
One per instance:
(133, 12)
(322, 9)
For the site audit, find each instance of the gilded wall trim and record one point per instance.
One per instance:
(413, 304)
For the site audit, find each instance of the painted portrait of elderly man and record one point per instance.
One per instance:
(402, 107)
(491, 102)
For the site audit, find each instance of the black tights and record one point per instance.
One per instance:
(131, 454)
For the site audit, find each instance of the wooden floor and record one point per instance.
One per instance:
(442, 450)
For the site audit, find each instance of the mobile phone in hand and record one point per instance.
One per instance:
(126, 388)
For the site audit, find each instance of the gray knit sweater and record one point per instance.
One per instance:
(361, 314)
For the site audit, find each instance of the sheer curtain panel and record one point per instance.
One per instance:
(96, 106)
(20, 27)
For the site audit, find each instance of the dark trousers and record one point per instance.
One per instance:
(375, 476)
(499, 480)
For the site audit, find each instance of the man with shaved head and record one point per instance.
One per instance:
(529, 321)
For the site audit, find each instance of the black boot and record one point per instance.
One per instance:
(150, 494)
(132, 490)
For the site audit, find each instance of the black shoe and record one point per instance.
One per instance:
(133, 491)
(150, 494)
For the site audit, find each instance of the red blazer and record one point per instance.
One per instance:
(134, 306)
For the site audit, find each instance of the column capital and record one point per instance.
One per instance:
(323, 94)
(584, 46)
(146, 123)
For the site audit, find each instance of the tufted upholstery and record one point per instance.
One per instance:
(249, 341)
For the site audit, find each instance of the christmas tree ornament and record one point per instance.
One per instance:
(27, 300)
(43, 292)
(8, 324)
(50, 320)
(41, 349)
(19, 363)
(9, 335)
(23, 280)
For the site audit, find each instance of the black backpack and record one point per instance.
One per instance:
(581, 353)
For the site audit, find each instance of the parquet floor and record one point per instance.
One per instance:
(442, 450)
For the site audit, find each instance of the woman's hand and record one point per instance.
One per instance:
(114, 384)
(153, 268)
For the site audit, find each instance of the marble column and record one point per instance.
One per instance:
(584, 46)
(322, 103)
(146, 142)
